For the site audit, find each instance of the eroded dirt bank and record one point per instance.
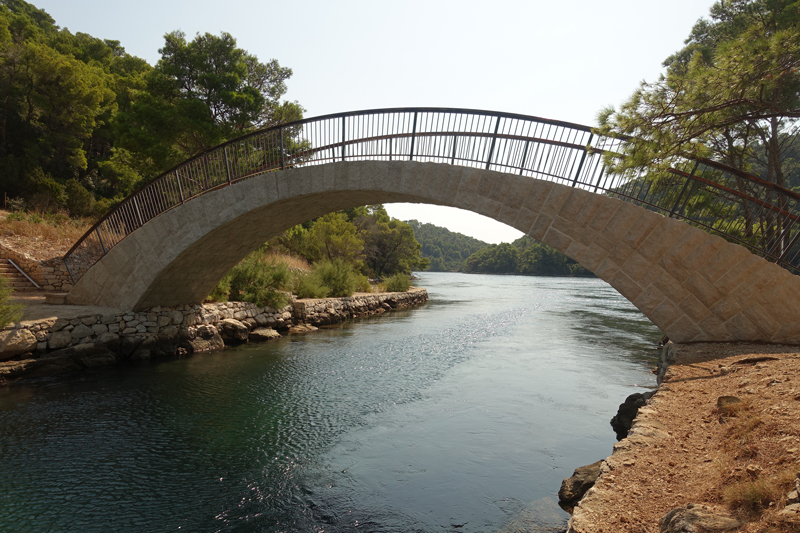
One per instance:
(689, 447)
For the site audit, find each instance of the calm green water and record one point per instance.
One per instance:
(454, 416)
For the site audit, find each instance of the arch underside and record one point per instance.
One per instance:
(692, 285)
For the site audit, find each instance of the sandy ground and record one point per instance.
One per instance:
(683, 450)
(35, 309)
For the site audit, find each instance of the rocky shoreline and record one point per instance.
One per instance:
(687, 453)
(54, 345)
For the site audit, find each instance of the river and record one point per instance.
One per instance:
(455, 416)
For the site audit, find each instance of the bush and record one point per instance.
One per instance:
(221, 291)
(8, 312)
(398, 283)
(362, 283)
(80, 202)
(254, 280)
(308, 285)
(337, 276)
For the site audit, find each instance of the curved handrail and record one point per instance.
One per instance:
(742, 208)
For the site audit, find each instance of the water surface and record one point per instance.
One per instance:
(454, 416)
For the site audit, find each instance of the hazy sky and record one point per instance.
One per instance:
(557, 59)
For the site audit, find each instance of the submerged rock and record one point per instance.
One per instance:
(264, 334)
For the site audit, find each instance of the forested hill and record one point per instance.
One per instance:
(524, 256)
(446, 249)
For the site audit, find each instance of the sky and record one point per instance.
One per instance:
(564, 60)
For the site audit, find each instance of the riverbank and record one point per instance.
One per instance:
(689, 447)
(53, 339)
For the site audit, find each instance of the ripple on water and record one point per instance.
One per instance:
(459, 413)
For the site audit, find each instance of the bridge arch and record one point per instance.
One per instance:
(693, 285)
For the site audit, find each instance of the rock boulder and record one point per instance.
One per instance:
(696, 518)
(573, 488)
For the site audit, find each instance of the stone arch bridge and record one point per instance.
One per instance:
(707, 253)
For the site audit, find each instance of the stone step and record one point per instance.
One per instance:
(14, 278)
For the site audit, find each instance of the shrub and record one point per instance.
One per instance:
(80, 201)
(8, 312)
(308, 285)
(398, 283)
(362, 283)
(337, 276)
(221, 291)
(259, 282)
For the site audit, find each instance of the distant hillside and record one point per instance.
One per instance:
(524, 256)
(446, 249)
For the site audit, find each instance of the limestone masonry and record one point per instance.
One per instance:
(55, 345)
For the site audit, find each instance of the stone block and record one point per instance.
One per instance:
(15, 342)
(694, 308)
(81, 331)
(557, 240)
(537, 195)
(625, 285)
(683, 330)
(540, 227)
(559, 195)
(665, 315)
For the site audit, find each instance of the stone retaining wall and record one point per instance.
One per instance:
(52, 274)
(56, 345)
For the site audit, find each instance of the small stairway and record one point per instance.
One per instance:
(16, 280)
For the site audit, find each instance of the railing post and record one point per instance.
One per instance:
(453, 155)
(178, 181)
(342, 138)
(281, 147)
(227, 164)
(99, 238)
(524, 157)
(138, 213)
(686, 184)
(69, 271)
(583, 158)
(494, 140)
(413, 136)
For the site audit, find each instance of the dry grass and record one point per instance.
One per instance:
(292, 261)
(41, 237)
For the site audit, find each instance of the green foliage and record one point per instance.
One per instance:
(80, 108)
(337, 276)
(309, 285)
(400, 282)
(79, 202)
(222, 291)
(8, 312)
(446, 250)
(44, 192)
(362, 283)
(254, 280)
(334, 237)
(389, 244)
(523, 256)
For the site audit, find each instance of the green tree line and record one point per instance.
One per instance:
(524, 256)
(84, 123)
(345, 248)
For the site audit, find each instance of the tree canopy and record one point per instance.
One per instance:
(731, 93)
(84, 123)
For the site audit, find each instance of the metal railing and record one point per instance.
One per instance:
(742, 208)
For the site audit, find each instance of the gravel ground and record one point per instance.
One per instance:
(683, 450)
